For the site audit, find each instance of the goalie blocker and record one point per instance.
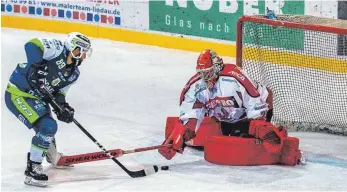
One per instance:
(256, 147)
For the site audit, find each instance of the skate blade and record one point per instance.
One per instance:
(37, 183)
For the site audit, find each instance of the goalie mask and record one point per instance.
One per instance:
(209, 65)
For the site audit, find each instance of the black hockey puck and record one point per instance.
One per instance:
(164, 168)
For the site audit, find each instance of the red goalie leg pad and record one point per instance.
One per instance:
(290, 152)
(271, 136)
(170, 123)
(175, 138)
(208, 128)
(228, 150)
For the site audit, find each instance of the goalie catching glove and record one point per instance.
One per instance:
(180, 134)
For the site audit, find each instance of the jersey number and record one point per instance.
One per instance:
(61, 64)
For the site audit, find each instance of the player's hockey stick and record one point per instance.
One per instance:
(133, 174)
(97, 156)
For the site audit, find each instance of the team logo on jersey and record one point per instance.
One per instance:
(35, 93)
(39, 106)
(61, 76)
(23, 106)
(22, 65)
(73, 77)
(240, 76)
(220, 101)
(57, 44)
(21, 118)
(56, 81)
(48, 86)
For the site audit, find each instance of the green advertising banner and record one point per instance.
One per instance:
(211, 18)
(265, 35)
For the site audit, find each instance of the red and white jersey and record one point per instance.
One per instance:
(233, 97)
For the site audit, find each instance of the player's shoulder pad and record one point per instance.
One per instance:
(52, 48)
(186, 88)
(52, 44)
(231, 70)
(45, 43)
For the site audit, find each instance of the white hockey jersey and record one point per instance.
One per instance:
(233, 97)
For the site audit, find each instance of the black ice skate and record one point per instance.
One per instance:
(34, 174)
(53, 156)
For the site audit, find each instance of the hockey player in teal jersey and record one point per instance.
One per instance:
(54, 64)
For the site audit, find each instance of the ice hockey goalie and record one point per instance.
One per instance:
(228, 114)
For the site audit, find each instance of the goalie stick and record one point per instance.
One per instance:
(97, 156)
(133, 174)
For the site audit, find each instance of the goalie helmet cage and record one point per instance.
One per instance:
(303, 59)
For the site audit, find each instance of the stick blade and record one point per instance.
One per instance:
(144, 172)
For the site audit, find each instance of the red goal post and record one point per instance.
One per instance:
(303, 59)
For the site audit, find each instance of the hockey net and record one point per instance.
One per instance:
(303, 59)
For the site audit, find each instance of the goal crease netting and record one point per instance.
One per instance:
(303, 59)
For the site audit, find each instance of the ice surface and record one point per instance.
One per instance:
(122, 98)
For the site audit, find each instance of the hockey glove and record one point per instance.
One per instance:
(271, 136)
(178, 137)
(66, 114)
(38, 75)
